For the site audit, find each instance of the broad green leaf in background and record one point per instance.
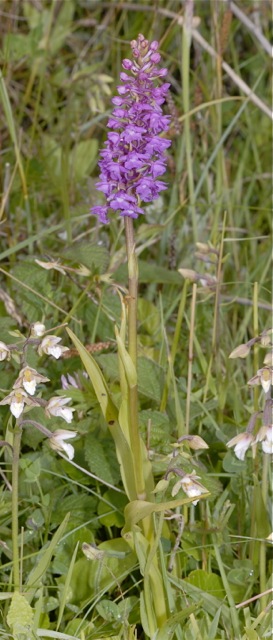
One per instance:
(149, 272)
(150, 374)
(209, 582)
(92, 256)
(83, 158)
(114, 516)
(20, 617)
(101, 458)
(62, 27)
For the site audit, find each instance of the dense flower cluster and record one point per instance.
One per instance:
(134, 155)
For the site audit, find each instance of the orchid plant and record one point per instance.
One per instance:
(21, 400)
(131, 164)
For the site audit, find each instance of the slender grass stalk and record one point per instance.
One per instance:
(262, 559)
(186, 45)
(217, 121)
(14, 505)
(216, 328)
(175, 342)
(233, 612)
(190, 357)
(256, 333)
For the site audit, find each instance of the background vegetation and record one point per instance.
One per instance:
(60, 62)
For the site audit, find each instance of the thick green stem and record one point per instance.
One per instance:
(132, 348)
(154, 595)
(14, 506)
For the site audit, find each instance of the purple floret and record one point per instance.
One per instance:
(134, 154)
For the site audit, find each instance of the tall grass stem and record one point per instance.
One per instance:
(14, 505)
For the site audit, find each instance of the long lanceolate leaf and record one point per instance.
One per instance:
(39, 570)
(110, 413)
(108, 408)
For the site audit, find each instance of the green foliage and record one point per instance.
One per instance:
(20, 617)
(60, 65)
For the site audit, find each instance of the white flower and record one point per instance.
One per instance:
(57, 442)
(4, 352)
(50, 346)
(29, 378)
(264, 377)
(55, 407)
(265, 436)
(17, 399)
(194, 442)
(37, 330)
(268, 359)
(54, 264)
(241, 351)
(190, 485)
(241, 443)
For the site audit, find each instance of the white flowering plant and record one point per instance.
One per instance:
(26, 391)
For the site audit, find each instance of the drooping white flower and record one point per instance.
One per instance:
(241, 443)
(4, 352)
(29, 378)
(265, 436)
(194, 442)
(52, 264)
(190, 485)
(17, 399)
(268, 359)
(241, 351)
(37, 330)
(264, 377)
(56, 407)
(50, 345)
(58, 442)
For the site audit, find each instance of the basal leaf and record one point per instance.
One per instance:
(20, 617)
(209, 582)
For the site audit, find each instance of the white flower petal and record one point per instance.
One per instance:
(4, 351)
(16, 408)
(66, 414)
(69, 450)
(30, 386)
(63, 434)
(267, 446)
(38, 329)
(56, 352)
(266, 384)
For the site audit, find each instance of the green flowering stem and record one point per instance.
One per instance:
(132, 348)
(154, 595)
(14, 505)
(263, 545)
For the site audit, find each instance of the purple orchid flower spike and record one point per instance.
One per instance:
(134, 154)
